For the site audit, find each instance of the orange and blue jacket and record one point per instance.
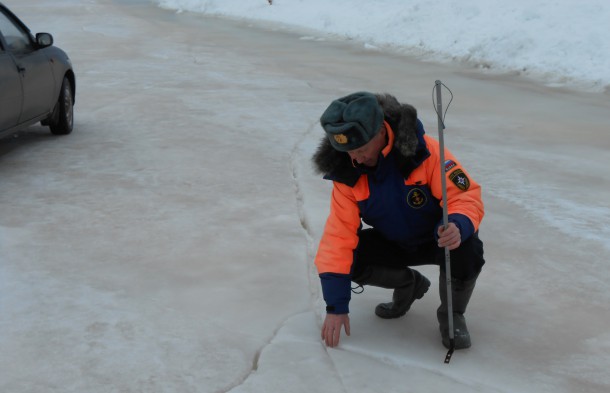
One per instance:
(401, 198)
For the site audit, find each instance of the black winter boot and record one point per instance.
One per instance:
(408, 285)
(462, 290)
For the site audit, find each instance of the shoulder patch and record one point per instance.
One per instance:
(449, 164)
(459, 178)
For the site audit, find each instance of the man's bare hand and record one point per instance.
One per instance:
(449, 237)
(331, 329)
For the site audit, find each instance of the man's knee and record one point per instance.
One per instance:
(467, 260)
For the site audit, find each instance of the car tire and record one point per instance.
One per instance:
(61, 120)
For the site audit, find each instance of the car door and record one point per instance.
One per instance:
(37, 79)
(11, 97)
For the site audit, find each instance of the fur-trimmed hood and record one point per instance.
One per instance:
(408, 140)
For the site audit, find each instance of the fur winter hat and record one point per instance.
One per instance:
(352, 121)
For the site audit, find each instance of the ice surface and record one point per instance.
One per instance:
(167, 244)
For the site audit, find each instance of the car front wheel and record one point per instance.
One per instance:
(61, 120)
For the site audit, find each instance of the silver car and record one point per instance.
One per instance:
(37, 82)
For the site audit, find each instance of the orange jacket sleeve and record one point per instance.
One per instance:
(463, 193)
(340, 238)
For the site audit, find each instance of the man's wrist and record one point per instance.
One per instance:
(337, 309)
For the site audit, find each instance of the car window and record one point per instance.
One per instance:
(16, 39)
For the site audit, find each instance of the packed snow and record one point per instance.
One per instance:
(562, 42)
(167, 244)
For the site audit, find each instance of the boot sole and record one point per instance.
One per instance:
(459, 342)
(461, 334)
(421, 290)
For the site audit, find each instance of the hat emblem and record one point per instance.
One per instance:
(341, 139)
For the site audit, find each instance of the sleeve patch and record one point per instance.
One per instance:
(449, 164)
(459, 178)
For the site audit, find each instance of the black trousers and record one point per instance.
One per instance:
(374, 249)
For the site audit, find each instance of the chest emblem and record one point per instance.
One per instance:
(416, 198)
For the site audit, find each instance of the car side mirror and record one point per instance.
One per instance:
(44, 39)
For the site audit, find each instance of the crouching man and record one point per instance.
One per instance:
(386, 174)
